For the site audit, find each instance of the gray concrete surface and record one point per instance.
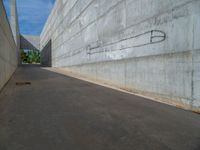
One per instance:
(46, 55)
(14, 21)
(30, 42)
(117, 42)
(14, 24)
(8, 49)
(57, 112)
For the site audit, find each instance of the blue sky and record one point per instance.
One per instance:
(32, 14)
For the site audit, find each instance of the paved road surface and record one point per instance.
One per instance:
(57, 112)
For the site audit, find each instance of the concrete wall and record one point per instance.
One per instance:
(14, 22)
(147, 46)
(8, 49)
(46, 55)
(30, 42)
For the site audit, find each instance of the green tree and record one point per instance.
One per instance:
(32, 56)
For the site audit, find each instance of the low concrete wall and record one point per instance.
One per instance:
(151, 47)
(30, 42)
(8, 49)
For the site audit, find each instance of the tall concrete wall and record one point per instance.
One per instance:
(8, 49)
(147, 46)
(46, 55)
(14, 21)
